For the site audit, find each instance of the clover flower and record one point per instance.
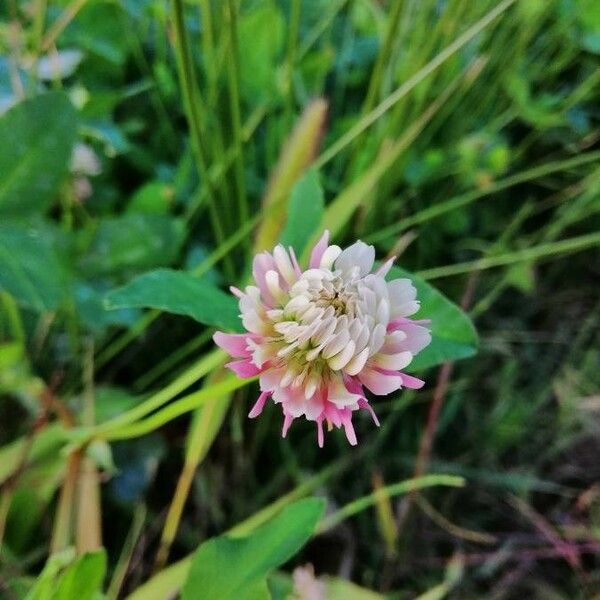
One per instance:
(317, 338)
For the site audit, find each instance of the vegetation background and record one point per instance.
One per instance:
(461, 136)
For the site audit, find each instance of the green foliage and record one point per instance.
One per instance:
(37, 139)
(41, 285)
(179, 293)
(305, 211)
(254, 556)
(453, 335)
(457, 135)
(131, 242)
(67, 578)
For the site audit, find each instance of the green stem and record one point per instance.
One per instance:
(575, 244)
(193, 103)
(172, 411)
(438, 210)
(411, 83)
(410, 485)
(384, 55)
(185, 380)
(233, 72)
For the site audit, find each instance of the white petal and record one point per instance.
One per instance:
(339, 395)
(284, 264)
(272, 279)
(393, 362)
(358, 362)
(402, 298)
(358, 255)
(329, 256)
(340, 360)
(336, 344)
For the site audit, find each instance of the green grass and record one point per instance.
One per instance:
(462, 136)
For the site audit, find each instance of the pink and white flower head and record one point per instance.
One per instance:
(317, 338)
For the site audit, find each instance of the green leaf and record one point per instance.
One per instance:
(260, 34)
(37, 139)
(235, 568)
(83, 579)
(179, 293)
(305, 211)
(67, 578)
(132, 242)
(30, 268)
(453, 335)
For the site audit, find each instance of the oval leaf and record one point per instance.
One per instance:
(31, 269)
(37, 139)
(235, 568)
(453, 335)
(179, 293)
(305, 211)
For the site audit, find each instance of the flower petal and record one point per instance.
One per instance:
(318, 250)
(234, 344)
(243, 368)
(380, 383)
(359, 255)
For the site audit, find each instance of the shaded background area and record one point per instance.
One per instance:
(465, 137)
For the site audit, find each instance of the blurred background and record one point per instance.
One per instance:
(461, 136)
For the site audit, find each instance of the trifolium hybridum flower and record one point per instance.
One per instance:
(317, 338)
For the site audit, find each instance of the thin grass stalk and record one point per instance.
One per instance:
(88, 527)
(171, 361)
(396, 489)
(365, 122)
(193, 104)
(292, 51)
(568, 246)
(68, 14)
(467, 198)
(120, 571)
(203, 431)
(177, 408)
(233, 78)
(339, 212)
(383, 57)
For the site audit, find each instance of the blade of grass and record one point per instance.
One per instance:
(172, 411)
(296, 157)
(120, 572)
(233, 79)
(341, 209)
(395, 489)
(556, 249)
(203, 366)
(88, 527)
(467, 198)
(203, 430)
(366, 121)
(193, 104)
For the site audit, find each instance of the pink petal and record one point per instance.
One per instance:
(287, 421)
(364, 404)
(236, 291)
(380, 383)
(262, 263)
(297, 268)
(233, 343)
(320, 435)
(414, 383)
(350, 433)
(243, 368)
(319, 250)
(259, 405)
(385, 267)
